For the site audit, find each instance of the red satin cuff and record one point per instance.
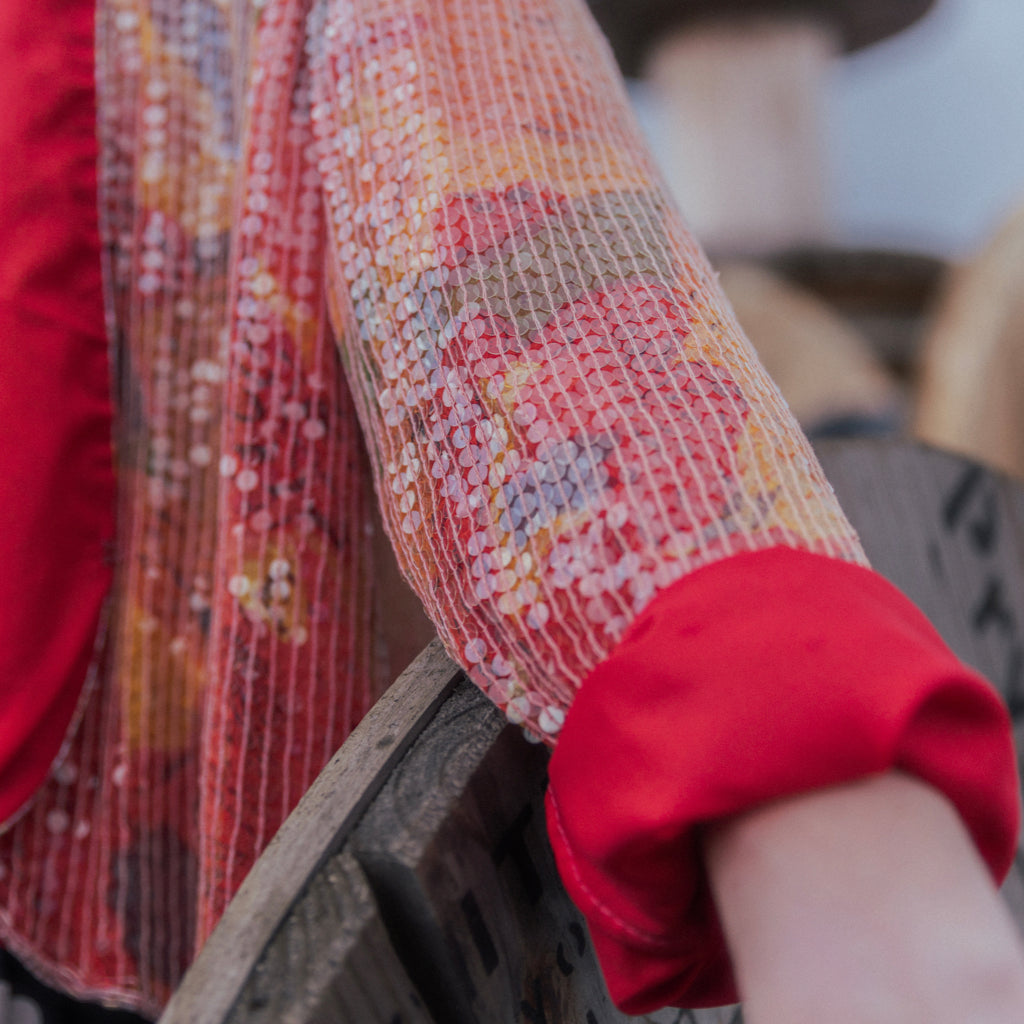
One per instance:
(767, 674)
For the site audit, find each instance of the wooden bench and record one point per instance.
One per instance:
(414, 883)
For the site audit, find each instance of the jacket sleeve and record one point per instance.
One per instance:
(590, 481)
(562, 415)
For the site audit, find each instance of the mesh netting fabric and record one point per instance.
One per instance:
(561, 413)
(424, 231)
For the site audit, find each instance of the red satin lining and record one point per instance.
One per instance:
(56, 473)
(763, 675)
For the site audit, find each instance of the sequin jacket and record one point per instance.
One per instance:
(329, 242)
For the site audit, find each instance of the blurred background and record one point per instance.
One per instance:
(855, 170)
(923, 131)
(926, 130)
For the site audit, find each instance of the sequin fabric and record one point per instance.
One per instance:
(412, 241)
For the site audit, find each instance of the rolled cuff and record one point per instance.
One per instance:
(764, 675)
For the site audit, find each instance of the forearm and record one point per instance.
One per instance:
(564, 420)
(562, 415)
(864, 902)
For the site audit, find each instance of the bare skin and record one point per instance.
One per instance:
(864, 904)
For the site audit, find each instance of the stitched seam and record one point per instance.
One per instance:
(634, 932)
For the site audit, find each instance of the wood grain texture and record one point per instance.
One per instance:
(392, 841)
(457, 855)
(311, 833)
(331, 961)
(441, 902)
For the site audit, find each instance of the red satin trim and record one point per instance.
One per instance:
(766, 674)
(56, 472)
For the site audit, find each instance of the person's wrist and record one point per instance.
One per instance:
(865, 901)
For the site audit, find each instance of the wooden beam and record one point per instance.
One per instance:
(314, 830)
(430, 895)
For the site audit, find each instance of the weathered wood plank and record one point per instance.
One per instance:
(315, 829)
(331, 961)
(444, 904)
(425, 792)
(456, 852)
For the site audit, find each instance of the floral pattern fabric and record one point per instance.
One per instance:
(413, 242)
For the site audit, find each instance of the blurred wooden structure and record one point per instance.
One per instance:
(972, 358)
(828, 371)
(738, 89)
(743, 140)
(886, 296)
(414, 883)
